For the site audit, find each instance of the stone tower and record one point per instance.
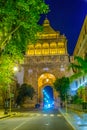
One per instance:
(46, 60)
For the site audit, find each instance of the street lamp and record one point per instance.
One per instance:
(6, 105)
(10, 100)
(15, 69)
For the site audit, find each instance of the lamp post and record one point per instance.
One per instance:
(15, 69)
(10, 99)
(6, 105)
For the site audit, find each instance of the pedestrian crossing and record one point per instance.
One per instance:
(38, 114)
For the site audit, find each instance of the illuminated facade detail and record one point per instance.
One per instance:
(45, 58)
(49, 42)
(46, 48)
(81, 45)
(81, 50)
(44, 80)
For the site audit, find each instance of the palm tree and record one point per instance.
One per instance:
(79, 67)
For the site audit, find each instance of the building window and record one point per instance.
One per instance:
(61, 50)
(53, 48)
(80, 81)
(83, 78)
(31, 52)
(76, 83)
(61, 45)
(45, 48)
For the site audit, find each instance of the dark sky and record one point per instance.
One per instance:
(67, 16)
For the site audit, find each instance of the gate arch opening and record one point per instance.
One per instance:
(45, 86)
(48, 97)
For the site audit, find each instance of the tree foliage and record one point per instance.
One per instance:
(62, 86)
(79, 67)
(76, 99)
(25, 91)
(19, 21)
(18, 26)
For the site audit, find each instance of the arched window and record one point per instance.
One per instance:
(61, 51)
(53, 48)
(38, 49)
(31, 49)
(45, 48)
(60, 44)
(38, 46)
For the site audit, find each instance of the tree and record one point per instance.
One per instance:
(62, 86)
(82, 93)
(76, 99)
(18, 26)
(19, 22)
(6, 73)
(79, 67)
(25, 91)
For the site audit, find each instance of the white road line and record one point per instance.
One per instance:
(51, 114)
(59, 115)
(20, 125)
(45, 115)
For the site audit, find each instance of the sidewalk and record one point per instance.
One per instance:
(78, 120)
(2, 115)
(18, 112)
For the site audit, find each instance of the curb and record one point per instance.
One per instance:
(65, 116)
(5, 116)
(8, 115)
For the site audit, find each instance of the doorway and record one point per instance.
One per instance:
(48, 97)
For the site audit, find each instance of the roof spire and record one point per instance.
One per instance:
(46, 22)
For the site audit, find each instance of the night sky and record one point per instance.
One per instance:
(67, 16)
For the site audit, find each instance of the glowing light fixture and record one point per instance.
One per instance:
(47, 80)
(15, 68)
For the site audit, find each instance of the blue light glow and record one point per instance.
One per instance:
(48, 101)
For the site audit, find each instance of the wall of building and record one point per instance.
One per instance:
(80, 50)
(81, 45)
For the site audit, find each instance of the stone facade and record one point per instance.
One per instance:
(46, 60)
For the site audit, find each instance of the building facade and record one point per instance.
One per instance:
(81, 51)
(46, 60)
(81, 45)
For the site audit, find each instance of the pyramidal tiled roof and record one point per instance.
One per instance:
(47, 29)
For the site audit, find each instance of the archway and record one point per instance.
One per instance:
(48, 97)
(45, 87)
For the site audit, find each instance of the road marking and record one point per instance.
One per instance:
(38, 114)
(20, 125)
(32, 114)
(51, 114)
(47, 124)
(59, 115)
(44, 114)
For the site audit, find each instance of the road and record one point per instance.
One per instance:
(36, 120)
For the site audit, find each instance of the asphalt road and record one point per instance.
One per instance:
(36, 120)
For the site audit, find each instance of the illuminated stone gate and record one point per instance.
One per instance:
(46, 60)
